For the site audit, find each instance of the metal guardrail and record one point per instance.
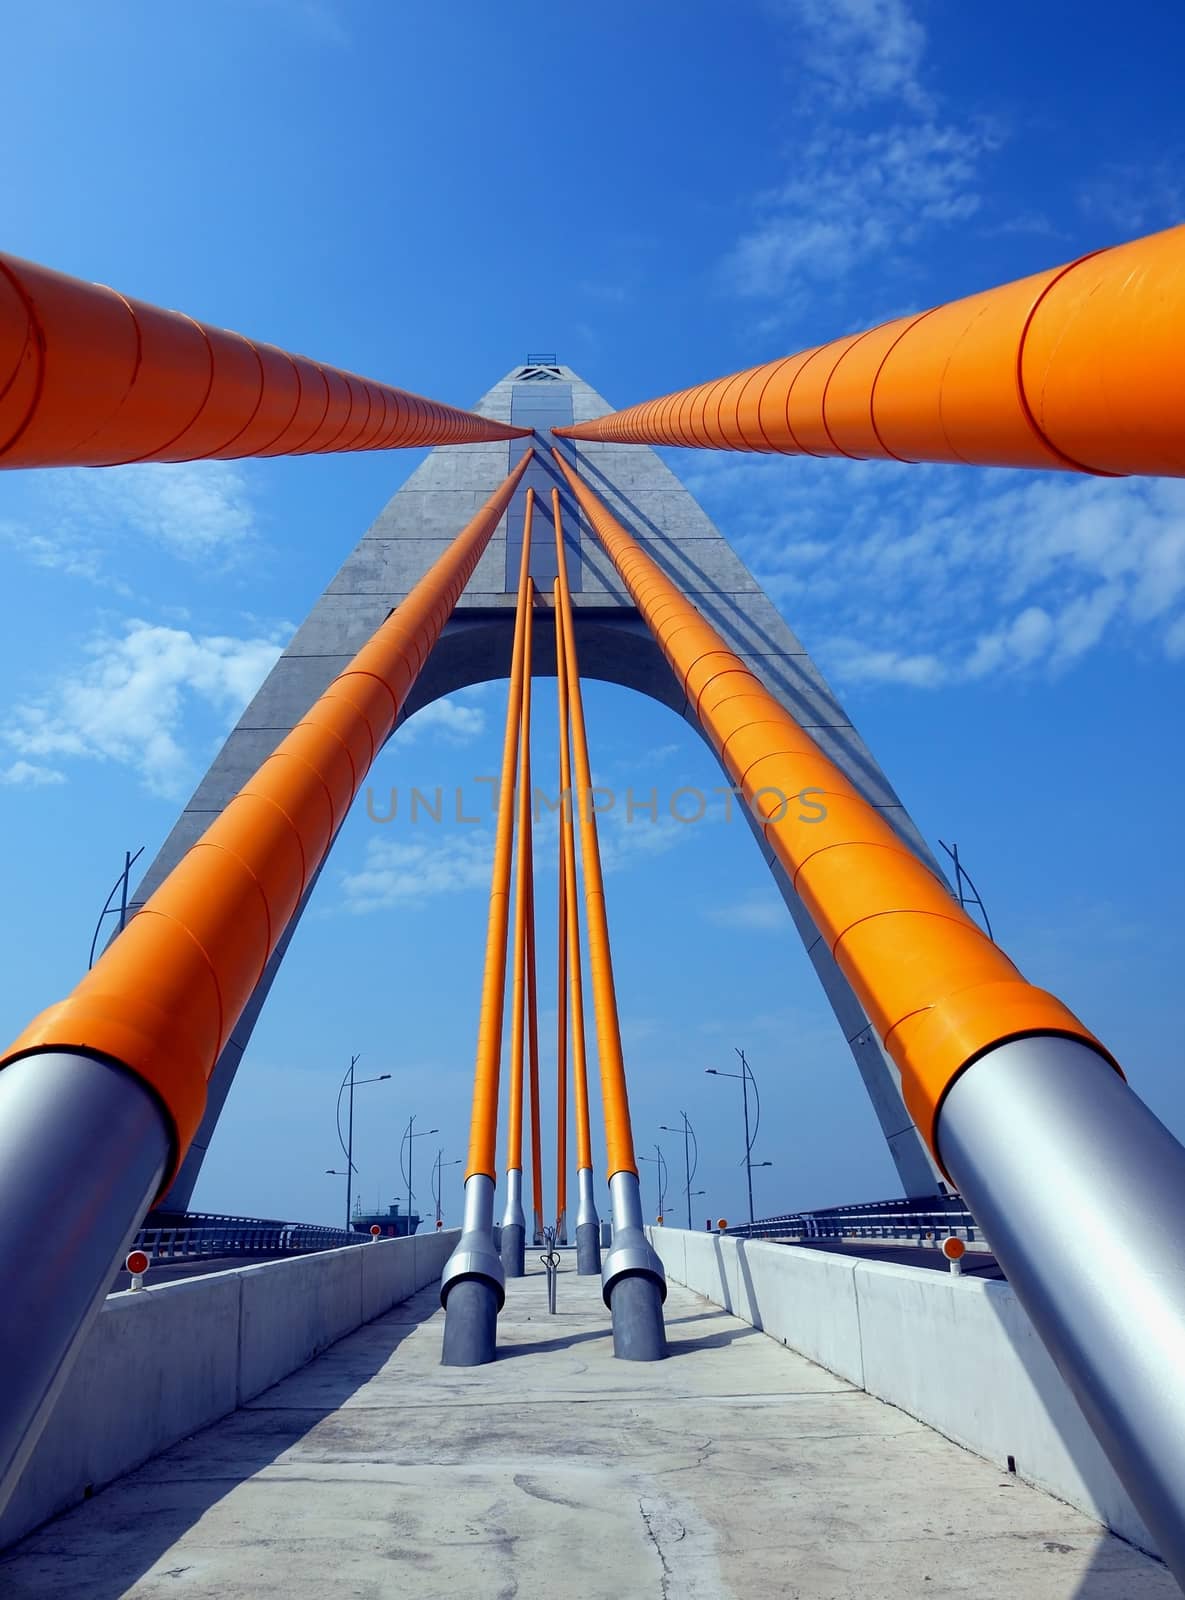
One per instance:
(917, 1221)
(199, 1235)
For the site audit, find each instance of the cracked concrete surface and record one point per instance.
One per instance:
(734, 1469)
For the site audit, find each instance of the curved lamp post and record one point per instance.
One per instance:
(437, 1166)
(409, 1137)
(352, 1083)
(660, 1162)
(689, 1163)
(747, 1078)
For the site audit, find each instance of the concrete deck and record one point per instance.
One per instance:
(735, 1468)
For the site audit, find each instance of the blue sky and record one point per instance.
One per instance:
(661, 194)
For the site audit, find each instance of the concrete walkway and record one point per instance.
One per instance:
(735, 1468)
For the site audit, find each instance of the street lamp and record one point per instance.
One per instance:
(409, 1135)
(747, 1078)
(348, 1145)
(660, 1162)
(121, 887)
(436, 1167)
(689, 1165)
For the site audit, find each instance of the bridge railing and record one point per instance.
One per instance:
(203, 1237)
(917, 1221)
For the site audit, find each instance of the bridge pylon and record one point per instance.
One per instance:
(614, 646)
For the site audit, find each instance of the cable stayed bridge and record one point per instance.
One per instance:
(542, 538)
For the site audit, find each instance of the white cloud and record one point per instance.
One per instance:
(408, 872)
(853, 198)
(455, 718)
(129, 701)
(443, 860)
(199, 511)
(1135, 198)
(857, 50)
(196, 509)
(760, 913)
(1174, 640)
(856, 663)
(1019, 643)
(28, 774)
(928, 575)
(858, 193)
(625, 840)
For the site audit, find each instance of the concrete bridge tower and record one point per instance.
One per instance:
(416, 527)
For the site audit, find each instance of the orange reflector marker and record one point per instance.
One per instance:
(953, 1249)
(1079, 368)
(164, 997)
(89, 378)
(936, 988)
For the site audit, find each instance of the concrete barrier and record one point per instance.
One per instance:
(432, 1250)
(293, 1310)
(166, 1361)
(388, 1276)
(958, 1353)
(158, 1365)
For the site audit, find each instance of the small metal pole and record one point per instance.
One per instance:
(969, 896)
(121, 883)
(688, 1166)
(123, 890)
(687, 1163)
(441, 1163)
(660, 1179)
(349, 1081)
(551, 1262)
(350, 1149)
(410, 1136)
(748, 1140)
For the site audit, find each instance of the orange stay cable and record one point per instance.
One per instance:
(90, 378)
(935, 987)
(1078, 368)
(483, 1127)
(533, 1057)
(561, 1049)
(619, 1139)
(571, 897)
(522, 879)
(165, 996)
